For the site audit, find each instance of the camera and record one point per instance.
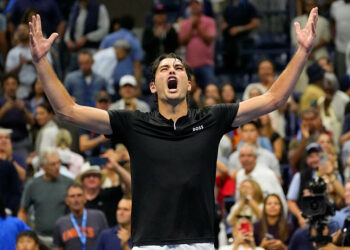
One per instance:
(317, 208)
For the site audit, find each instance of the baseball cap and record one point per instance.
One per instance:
(102, 96)
(313, 147)
(127, 79)
(159, 9)
(122, 44)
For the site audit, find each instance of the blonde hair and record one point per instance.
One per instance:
(63, 139)
(258, 194)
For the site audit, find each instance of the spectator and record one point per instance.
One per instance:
(341, 215)
(38, 96)
(6, 153)
(128, 93)
(73, 160)
(88, 24)
(106, 199)
(15, 114)
(81, 228)
(107, 60)
(276, 140)
(240, 18)
(132, 63)
(254, 169)
(321, 41)
(250, 134)
(10, 228)
(118, 237)
(345, 81)
(84, 84)
(3, 41)
(198, 33)
(48, 9)
(46, 193)
(90, 143)
(227, 93)
(249, 203)
(341, 29)
(273, 222)
(315, 88)
(157, 39)
(242, 232)
(28, 240)
(266, 74)
(48, 128)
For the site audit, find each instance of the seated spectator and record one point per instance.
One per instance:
(107, 60)
(118, 237)
(132, 63)
(63, 142)
(243, 234)
(250, 134)
(46, 194)
(315, 88)
(28, 240)
(80, 221)
(19, 62)
(38, 96)
(249, 203)
(345, 81)
(128, 93)
(15, 114)
(90, 143)
(272, 231)
(211, 90)
(197, 33)
(256, 170)
(276, 140)
(10, 228)
(106, 199)
(266, 74)
(341, 215)
(48, 128)
(227, 93)
(88, 24)
(6, 153)
(84, 84)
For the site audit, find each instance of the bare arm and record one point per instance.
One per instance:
(22, 214)
(281, 89)
(295, 210)
(85, 143)
(93, 119)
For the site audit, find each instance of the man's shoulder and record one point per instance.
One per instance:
(95, 213)
(74, 75)
(63, 220)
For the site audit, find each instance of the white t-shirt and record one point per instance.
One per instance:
(340, 12)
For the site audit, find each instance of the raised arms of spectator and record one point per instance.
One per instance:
(281, 89)
(93, 119)
(22, 214)
(123, 174)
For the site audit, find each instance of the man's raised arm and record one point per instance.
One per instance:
(93, 119)
(282, 88)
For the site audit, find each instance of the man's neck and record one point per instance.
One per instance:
(272, 220)
(247, 172)
(48, 178)
(126, 226)
(91, 193)
(77, 213)
(172, 111)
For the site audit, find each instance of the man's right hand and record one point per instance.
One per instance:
(39, 45)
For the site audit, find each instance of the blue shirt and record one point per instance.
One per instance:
(10, 227)
(83, 92)
(300, 240)
(108, 240)
(338, 219)
(126, 66)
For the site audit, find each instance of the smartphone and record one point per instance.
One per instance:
(269, 236)
(100, 161)
(245, 226)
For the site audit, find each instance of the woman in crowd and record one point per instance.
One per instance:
(249, 203)
(227, 93)
(242, 232)
(275, 139)
(272, 231)
(38, 95)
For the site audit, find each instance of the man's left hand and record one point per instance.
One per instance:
(307, 35)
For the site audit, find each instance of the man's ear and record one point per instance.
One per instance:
(189, 87)
(152, 87)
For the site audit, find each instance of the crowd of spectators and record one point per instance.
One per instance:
(54, 177)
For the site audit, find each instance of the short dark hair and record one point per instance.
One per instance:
(30, 234)
(10, 75)
(45, 105)
(85, 52)
(157, 61)
(74, 185)
(127, 22)
(256, 124)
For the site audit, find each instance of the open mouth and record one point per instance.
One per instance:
(172, 83)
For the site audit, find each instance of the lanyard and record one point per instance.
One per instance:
(81, 234)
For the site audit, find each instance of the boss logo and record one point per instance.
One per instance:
(198, 128)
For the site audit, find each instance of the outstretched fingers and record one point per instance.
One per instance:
(38, 23)
(312, 21)
(53, 37)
